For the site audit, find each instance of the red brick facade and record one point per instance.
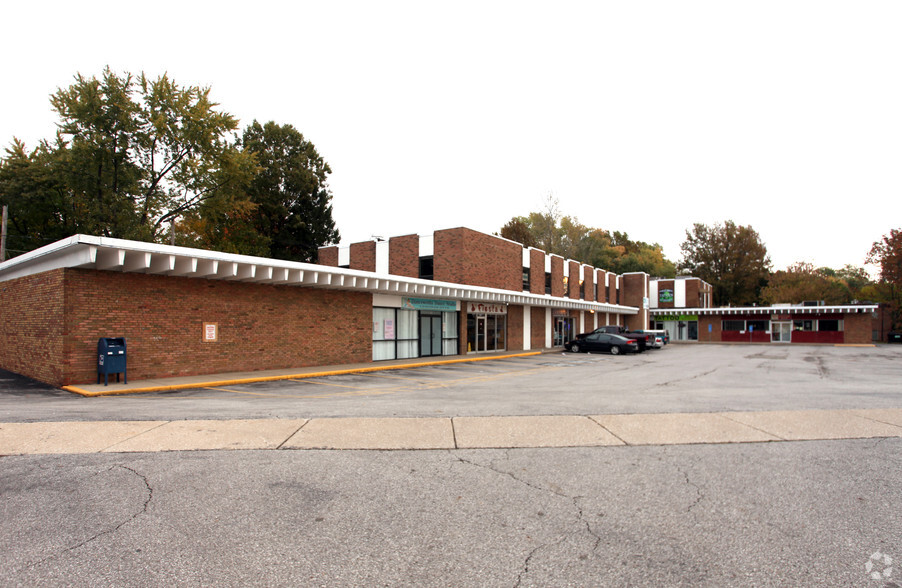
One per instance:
(557, 276)
(537, 327)
(32, 315)
(363, 256)
(404, 256)
(515, 321)
(465, 256)
(162, 318)
(328, 256)
(536, 271)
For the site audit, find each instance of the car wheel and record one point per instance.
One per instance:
(615, 350)
(574, 348)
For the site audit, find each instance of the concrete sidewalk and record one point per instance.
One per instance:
(447, 433)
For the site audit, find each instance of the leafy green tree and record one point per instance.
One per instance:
(555, 233)
(730, 257)
(518, 229)
(39, 212)
(290, 191)
(802, 281)
(132, 155)
(887, 254)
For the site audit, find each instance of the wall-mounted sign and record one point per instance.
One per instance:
(676, 317)
(211, 332)
(665, 296)
(483, 308)
(429, 304)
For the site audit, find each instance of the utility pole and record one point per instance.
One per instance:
(3, 236)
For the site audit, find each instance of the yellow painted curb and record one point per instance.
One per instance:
(855, 345)
(213, 384)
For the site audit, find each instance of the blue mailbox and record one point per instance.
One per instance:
(111, 359)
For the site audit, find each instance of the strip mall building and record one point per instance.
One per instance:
(189, 312)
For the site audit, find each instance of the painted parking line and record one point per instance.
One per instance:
(181, 384)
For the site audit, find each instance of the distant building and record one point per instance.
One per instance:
(683, 308)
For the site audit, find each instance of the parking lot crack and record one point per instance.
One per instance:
(138, 512)
(583, 524)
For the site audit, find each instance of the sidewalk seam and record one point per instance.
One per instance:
(753, 427)
(613, 434)
(105, 449)
(290, 437)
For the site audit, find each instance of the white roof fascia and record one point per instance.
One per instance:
(730, 310)
(87, 252)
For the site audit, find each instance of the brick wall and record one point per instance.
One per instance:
(536, 271)
(557, 276)
(716, 325)
(260, 326)
(363, 256)
(465, 256)
(589, 284)
(666, 285)
(514, 328)
(328, 256)
(538, 327)
(612, 289)
(32, 328)
(858, 328)
(633, 289)
(573, 280)
(602, 291)
(404, 256)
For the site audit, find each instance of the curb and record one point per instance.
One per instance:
(215, 383)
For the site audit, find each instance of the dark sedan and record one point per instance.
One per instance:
(615, 344)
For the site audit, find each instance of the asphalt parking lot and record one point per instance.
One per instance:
(676, 379)
(785, 513)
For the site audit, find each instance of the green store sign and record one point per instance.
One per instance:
(665, 296)
(429, 304)
(676, 317)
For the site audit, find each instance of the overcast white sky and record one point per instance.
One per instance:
(643, 117)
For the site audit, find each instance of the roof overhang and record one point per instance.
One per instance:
(745, 310)
(118, 255)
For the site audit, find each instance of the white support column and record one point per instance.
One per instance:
(549, 328)
(527, 327)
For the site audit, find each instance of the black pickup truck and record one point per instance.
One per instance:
(642, 339)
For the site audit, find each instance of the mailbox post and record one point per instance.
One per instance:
(111, 359)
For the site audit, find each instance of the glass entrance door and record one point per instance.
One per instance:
(781, 332)
(563, 331)
(430, 335)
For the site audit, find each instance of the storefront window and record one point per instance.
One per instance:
(804, 325)
(756, 326)
(449, 333)
(407, 334)
(485, 332)
(383, 333)
(829, 325)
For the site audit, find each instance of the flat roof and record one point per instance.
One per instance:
(728, 310)
(120, 255)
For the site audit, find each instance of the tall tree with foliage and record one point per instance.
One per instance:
(802, 281)
(887, 254)
(132, 154)
(731, 257)
(562, 235)
(290, 191)
(39, 211)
